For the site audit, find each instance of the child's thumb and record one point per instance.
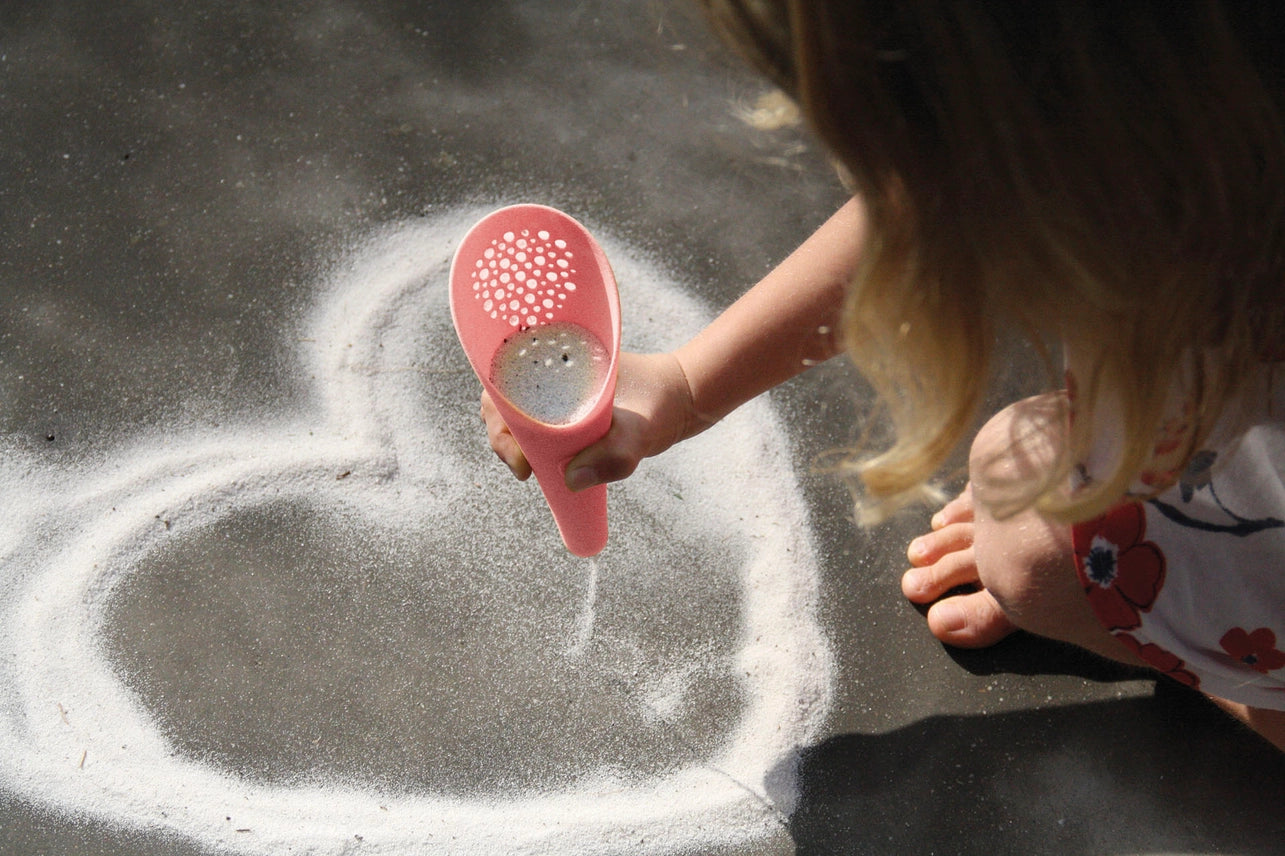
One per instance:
(604, 461)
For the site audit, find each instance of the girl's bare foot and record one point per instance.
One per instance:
(943, 561)
(983, 577)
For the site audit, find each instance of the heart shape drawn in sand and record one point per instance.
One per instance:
(346, 625)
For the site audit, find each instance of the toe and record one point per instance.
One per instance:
(969, 621)
(958, 510)
(932, 546)
(926, 584)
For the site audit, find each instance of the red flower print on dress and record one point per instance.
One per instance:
(1256, 650)
(1170, 665)
(1174, 432)
(1120, 570)
(1168, 456)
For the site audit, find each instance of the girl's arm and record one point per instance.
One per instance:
(776, 330)
(786, 323)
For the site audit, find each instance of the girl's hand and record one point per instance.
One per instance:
(502, 441)
(653, 410)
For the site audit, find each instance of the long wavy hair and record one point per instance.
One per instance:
(1109, 175)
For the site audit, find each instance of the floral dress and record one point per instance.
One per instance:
(1193, 579)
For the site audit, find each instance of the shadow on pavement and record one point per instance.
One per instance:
(1165, 773)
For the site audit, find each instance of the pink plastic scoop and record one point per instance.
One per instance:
(535, 306)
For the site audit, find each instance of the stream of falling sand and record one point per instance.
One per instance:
(585, 621)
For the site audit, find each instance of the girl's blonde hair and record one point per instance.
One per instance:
(1106, 174)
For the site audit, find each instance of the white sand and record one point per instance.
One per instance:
(553, 373)
(75, 738)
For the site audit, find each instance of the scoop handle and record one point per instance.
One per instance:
(581, 516)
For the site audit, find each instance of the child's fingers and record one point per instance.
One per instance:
(502, 442)
(508, 450)
(613, 458)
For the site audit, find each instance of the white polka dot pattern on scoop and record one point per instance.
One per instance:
(524, 277)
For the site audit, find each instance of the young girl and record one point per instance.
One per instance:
(1108, 176)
